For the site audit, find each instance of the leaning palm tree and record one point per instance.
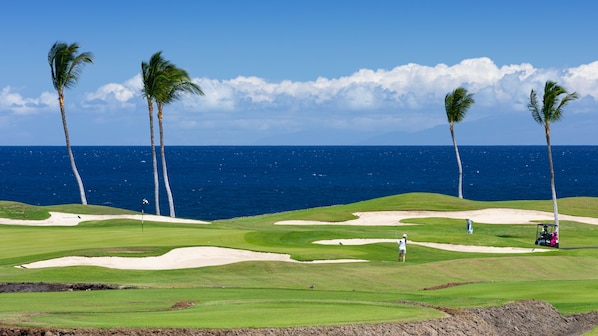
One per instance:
(555, 99)
(173, 84)
(66, 66)
(152, 75)
(456, 104)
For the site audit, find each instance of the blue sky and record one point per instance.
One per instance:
(302, 72)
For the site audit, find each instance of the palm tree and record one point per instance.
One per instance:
(66, 66)
(152, 76)
(456, 105)
(555, 99)
(175, 82)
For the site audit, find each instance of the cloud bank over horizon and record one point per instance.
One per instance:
(406, 99)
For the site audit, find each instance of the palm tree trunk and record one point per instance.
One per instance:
(164, 169)
(150, 108)
(458, 161)
(68, 148)
(552, 184)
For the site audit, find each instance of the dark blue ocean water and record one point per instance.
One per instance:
(214, 182)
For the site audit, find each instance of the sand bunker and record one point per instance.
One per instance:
(487, 216)
(448, 247)
(193, 257)
(68, 219)
(373, 218)
(187, 257)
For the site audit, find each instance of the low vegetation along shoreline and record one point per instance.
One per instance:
(436, 291)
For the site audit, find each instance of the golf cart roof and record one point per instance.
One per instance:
(542, 224)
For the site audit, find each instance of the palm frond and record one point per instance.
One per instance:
(554, 100)
(174, 83)
(457, 103)
(152, 74)
(66, 65)
(533, 107)
(565, 101)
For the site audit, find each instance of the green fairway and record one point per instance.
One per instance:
(279, 294)
(211, 308)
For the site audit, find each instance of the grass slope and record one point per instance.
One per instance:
(278, 294)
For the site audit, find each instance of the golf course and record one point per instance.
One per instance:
(329, 267)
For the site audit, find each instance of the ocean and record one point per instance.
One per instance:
(219, 182)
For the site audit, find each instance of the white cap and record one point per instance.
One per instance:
(404, 235)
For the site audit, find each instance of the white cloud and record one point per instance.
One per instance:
(218, 96)
(410, 87)
(15, 103)
(405, 88)
(406, 98)
(113, 95)
(583, 79)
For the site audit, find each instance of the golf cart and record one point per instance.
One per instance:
(546, 235)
